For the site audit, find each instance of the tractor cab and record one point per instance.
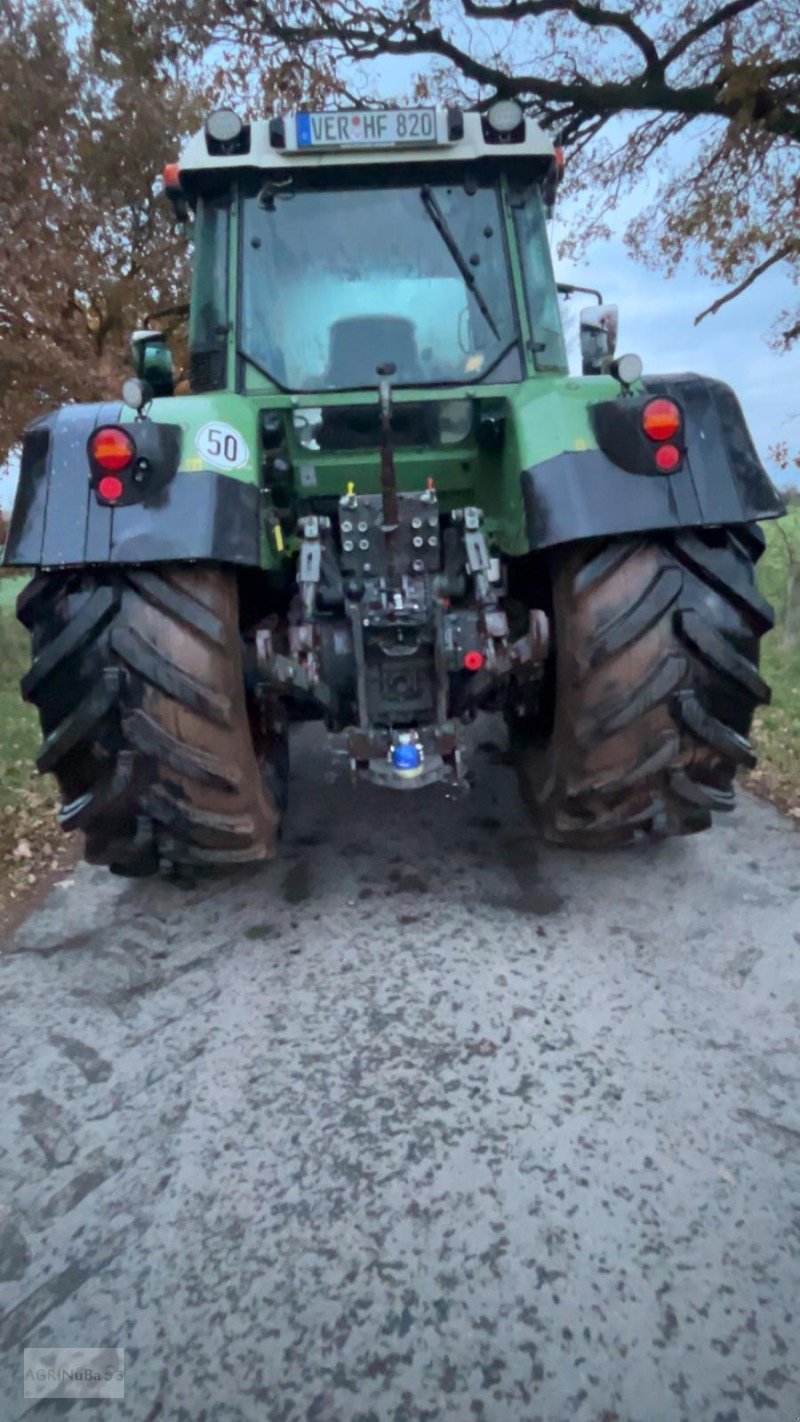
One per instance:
(412, 238)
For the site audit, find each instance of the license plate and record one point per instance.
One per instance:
(389, 128)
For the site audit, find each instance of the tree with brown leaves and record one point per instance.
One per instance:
(86, 246)
(94, 98)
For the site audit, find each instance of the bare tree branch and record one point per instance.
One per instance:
(716, 20)
(365, 34)
(595, 16)
(779, 255)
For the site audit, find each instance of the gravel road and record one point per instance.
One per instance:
(423, 1121)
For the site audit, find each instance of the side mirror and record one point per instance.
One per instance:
(151, 359)
(599, 326)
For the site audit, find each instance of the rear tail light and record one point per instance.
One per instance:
(661, 419)
(667, 458)
(112, 450)
(110, 488)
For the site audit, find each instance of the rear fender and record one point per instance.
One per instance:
(188, 508)
(613, 489)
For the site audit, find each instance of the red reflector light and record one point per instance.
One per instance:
(110, 488)
(112, 449)
(473, 661)
(661, 419)
(667, 458)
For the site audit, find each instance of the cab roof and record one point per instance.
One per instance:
(358, 138)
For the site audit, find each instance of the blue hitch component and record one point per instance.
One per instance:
(406, 758)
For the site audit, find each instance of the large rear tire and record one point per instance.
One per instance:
(137, 677)
(654, 684)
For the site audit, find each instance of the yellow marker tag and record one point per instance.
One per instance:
(279, 538)
(193, 463)
(581, 444)
(351, 488)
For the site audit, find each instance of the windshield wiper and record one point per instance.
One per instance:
(440, 223)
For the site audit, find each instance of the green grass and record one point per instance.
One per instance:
(28, 803)
(10, 585)
(19, 726)
(777, 727)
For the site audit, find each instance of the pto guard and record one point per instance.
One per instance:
(580, 494)
(201, 499)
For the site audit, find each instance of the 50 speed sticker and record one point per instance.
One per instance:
(222, 446)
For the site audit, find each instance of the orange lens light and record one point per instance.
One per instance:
(172, 177)
(667, 458)
(661, 419)
(110, 488)
(112, 449)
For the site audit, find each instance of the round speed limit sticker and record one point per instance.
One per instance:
(222, 446)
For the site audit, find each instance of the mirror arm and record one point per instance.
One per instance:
(566, 288)
(181, 310)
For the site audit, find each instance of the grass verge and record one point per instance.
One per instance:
(32, 846)
(776, 730)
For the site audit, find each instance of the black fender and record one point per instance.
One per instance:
(57, 520)
(615, 489)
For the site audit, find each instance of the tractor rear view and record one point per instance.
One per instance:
(387, 505)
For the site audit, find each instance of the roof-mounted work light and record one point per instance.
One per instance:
(226, 132)
(504, 122)
(504, 116)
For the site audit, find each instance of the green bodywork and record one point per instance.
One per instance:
(544, 413)
(309, 286)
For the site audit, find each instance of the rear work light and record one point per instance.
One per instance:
(504, 122)
(505, 115)
(661, 419)
(112, 449)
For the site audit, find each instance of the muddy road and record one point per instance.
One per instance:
(422, 1121)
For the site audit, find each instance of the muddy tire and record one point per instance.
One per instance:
(653, 687)
(137, 678)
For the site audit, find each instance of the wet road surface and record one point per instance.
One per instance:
(422, 1121)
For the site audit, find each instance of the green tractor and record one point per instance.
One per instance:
(387, 505)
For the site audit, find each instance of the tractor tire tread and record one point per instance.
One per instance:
(631, 622)
(142, 657)
(164, 594)
(656, 684)
(137, 676)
